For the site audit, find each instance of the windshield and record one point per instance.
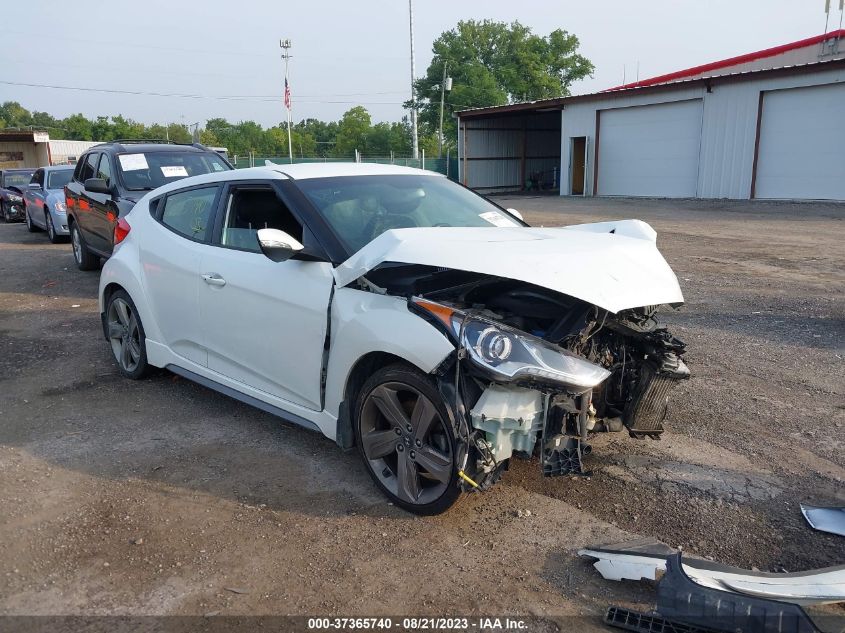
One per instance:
(142, 172)
(18, 178)
(58, 179)
(360, 208)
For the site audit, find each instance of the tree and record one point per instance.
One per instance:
(352, 132)
(15, 115)
(494, 63)
(323, 133)
(77, 128)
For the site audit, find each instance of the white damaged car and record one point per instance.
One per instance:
(394, 310)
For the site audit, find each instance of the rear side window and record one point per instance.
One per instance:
(188, 213)
(89, 168)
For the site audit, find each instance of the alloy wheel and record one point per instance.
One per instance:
(51, 230)
(124, 334)
(405, 441)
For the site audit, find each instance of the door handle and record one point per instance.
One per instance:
(213, 279)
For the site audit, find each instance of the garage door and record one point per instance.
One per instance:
(802, 144)
(650, 150)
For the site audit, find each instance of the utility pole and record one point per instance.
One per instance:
(414, 132)
(285, 44)
(445, 85)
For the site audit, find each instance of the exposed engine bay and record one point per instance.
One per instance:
(537, 372)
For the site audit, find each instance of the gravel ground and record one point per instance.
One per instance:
(162, 497)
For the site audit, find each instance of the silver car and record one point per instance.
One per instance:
(44, 201)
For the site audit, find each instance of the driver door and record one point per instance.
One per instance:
(263, 323)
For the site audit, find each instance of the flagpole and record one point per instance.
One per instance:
(285, 44)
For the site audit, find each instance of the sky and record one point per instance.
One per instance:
(345, 52)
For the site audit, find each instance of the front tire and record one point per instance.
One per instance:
(126, 336)
(404, 436)
(51, 229)
(85, 259)
(29, 225)
(4, 214)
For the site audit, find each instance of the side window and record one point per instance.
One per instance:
(188, 212)
(89, 168)
(104, 170)
(251, 209)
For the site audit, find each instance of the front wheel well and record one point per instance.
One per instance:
(364, 367)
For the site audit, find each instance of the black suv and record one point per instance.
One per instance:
(110, 178)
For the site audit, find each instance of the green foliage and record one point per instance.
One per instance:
(309, 137)
(494, 63)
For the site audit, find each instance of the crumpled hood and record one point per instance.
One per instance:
(614, 270)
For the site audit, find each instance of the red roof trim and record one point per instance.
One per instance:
(733, 61)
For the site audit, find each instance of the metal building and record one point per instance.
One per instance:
(769, 124)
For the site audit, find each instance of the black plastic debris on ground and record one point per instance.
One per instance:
(681, 599)
(647, 622)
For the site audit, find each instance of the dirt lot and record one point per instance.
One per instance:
(162, 497)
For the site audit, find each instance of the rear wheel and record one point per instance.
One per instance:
(406, 441)
(51, 229)
(85, 259)
(126, 336)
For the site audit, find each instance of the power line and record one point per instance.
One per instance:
(178, 95)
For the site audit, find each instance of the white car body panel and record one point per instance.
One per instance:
(615, 271)
(365, 322)
(266, 326)
(171, 284)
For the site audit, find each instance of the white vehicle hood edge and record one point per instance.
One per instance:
(613, 265)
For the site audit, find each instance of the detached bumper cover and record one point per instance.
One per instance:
(641, 560)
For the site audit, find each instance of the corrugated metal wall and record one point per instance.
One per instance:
(507, 152)
(61, 151)
(728, 135)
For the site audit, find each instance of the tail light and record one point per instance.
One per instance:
(121, 230)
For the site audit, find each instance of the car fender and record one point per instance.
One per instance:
(365, 322)
(119, 269)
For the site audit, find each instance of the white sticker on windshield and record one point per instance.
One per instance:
(217, 166)
(496, 219)
(133, 162)
(174, 171)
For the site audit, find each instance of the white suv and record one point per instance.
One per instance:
(395, 310)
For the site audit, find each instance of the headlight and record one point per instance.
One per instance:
(510, 355)
(59, 206)
(14, 198)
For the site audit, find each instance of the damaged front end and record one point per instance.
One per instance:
(538, 373)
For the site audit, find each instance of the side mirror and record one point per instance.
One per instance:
(278, 245)
(35, 186)
(97, 185)
(516, 214)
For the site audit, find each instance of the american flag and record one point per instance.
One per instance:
(287, 94)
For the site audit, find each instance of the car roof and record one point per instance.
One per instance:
(58, 167)
(298, 171)
(20, 169)
(303, 171)
(148, 148)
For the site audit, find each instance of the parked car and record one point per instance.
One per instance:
(44, 201)
(395, 310)
(110, 178)
(13, 182)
